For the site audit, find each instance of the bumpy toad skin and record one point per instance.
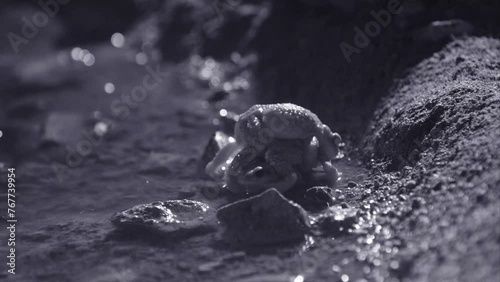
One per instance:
(276, 168)
(261, 132)
(257, 127)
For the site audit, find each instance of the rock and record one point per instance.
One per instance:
(267, 218)
(417, 203)
(344, 205)
(335, 222)
(352, 184)
(410, 185)
(173, 218)
(318, 198)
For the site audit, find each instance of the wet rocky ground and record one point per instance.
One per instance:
(418, 197)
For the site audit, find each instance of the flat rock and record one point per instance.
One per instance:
(173, 218)
(267, 218)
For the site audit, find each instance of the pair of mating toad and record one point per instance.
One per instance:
(275, 143)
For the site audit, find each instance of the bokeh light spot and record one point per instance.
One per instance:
(118, 40)
(75, 53)
(101, 128)
(141, 59)
(299, 278)
(88, 59)
(109, 87)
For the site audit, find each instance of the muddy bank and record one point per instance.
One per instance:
(440, 129)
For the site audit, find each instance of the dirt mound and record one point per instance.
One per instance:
(441, 124)
(443, 107)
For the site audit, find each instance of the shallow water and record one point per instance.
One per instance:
(149, 154)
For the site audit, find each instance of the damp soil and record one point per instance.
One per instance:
(420, 167)
(64, 208)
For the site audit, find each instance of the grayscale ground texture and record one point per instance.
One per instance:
(418, 108)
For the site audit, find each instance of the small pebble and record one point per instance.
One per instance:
(481, 198)
(417, 203)
(366, 193)
(459, 59)
(352, 184)
(438, 186)
(318, 198)
(411, 184)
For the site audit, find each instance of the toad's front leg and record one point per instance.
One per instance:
(312, 158)
(283, 168)
(250, 173)
(331, 172)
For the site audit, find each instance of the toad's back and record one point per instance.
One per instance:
(286, 121)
